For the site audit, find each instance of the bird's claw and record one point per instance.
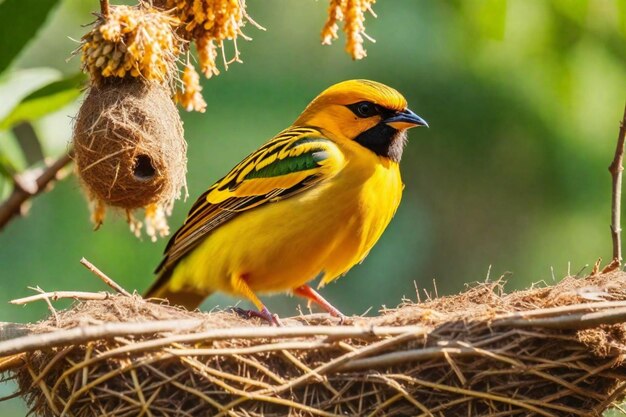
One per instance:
(334, 312)
(276, 321)
(264, 314)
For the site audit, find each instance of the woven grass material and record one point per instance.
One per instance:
(129, 145)
(551, 351)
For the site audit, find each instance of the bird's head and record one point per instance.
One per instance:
(366, 112)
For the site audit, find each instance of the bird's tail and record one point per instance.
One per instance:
(180, 297)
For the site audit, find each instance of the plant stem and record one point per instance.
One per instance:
(616, 168)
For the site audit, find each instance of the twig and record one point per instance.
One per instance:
(572, 321)
(8, 363)
(485, 395)
(12, 206)
(247, 350)
(57, 295)
(616, 169)
(108, 281)
(561, 310)
(83, 334)
(338, 362)
(104, 8)
(49, 304)
(109, 330)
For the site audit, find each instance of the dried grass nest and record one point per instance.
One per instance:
(129, 144)
(551, 351)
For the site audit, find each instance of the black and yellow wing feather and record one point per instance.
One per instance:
(295, 160)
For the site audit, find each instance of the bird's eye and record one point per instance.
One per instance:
(364, 109)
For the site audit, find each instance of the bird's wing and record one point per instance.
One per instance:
(295, 160)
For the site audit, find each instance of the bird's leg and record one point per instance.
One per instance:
(240, 286)
(312, 295)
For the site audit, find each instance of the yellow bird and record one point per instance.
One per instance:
(311, 201)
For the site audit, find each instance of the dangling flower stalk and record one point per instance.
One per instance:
(352, 14)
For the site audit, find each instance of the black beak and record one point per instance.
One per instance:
(405, 120)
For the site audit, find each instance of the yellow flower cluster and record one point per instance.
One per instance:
(189, 96)
(209, 23)
(142, 41)
(352, 13)
(136, 41)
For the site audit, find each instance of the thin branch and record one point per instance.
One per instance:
(616, 169)
(57, 295)
(104, 8)
(12, 206)
(571, 321)
(49, 304)
(108, 281)
(82, 334)
(248, 350)
(561, 310)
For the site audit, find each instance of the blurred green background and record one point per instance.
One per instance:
(523, 99)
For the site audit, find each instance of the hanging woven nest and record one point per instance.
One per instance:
(129, 147)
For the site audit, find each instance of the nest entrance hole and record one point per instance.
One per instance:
(143, 170)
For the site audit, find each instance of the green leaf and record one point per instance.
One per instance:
(46, 100)
(15, 85)
(19, 22)
(11, 157)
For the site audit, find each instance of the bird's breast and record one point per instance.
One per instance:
(367, 199)
(283, 245)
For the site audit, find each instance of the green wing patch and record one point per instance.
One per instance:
(289, 165)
